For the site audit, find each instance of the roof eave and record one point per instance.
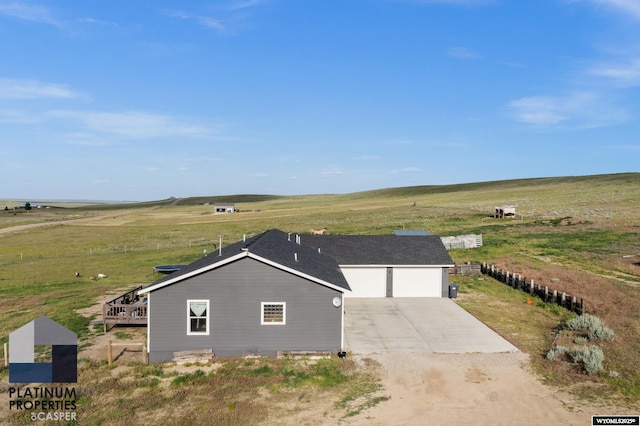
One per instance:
(398, 265)
(193, 273)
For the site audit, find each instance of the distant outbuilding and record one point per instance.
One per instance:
(224, 208)
(504, 211)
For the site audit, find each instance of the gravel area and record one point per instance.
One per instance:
(468, 389)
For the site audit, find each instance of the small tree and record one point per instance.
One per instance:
(27, 206)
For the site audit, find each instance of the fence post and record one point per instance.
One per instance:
(6, 355)
(532, 290)
(109, 353)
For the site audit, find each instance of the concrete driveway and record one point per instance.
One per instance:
(416, 325)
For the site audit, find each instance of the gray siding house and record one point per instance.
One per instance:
(255, 297)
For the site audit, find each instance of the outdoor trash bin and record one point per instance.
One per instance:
(453, 291)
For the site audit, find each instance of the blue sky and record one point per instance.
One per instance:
(125, 100)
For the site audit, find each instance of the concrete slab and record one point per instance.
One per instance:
(416, 325)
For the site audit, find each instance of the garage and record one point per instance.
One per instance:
(388, 265)
(395, 281)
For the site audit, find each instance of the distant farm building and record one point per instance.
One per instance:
(224, 208)
(504, 211)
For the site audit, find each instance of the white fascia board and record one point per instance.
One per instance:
(298, 273)
(398, 266)
(193, 273)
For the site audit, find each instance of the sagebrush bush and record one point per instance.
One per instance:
(590, 357)
(583, 322)
(593, 325)
(556, 352)
(602, 333)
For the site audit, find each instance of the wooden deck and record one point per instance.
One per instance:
(126, 309)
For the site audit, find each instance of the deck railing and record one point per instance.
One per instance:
(126, 309)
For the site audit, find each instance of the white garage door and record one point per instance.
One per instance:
(417, 282)
(366, 282)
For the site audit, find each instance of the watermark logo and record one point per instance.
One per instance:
(43, 351)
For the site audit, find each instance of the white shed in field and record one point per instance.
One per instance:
(224, 208)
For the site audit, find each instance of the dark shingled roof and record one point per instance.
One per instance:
(275, 246)
(381, 249)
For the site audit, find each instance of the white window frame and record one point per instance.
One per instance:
(284, 313)
(207, 318)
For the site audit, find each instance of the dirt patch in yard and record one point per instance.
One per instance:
(470, 389)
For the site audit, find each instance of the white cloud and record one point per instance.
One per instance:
(206, 21)
(627, 7)
(462, 53)
(94, 21)
(405, 170)
(133, 124)
(331, 170)
(626, 75)
(244, 4)
(202, 159)
(402, 142)
(578, 109)
(461, 2)
(628, 147)
(85, 142)
(368, 157)
(32, 89)
(15, 116)
(539, 110)
(27, 12)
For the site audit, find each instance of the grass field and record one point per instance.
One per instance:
(579, 234)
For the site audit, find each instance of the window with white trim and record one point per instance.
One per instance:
(197, 317)
(273, 313)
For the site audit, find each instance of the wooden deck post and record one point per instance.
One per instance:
(145, 354)
(110, 353)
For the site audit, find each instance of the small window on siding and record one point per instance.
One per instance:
(197, 317)
(274, 313)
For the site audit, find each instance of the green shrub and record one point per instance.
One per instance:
(601, 333)
(556, 352)
(590, 357)
(592, 324)
(583, 322)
